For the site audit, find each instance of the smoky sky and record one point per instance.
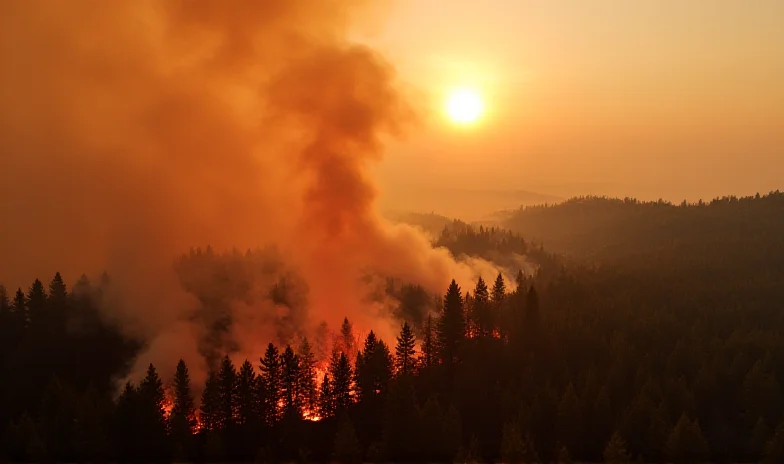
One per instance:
(133, 130)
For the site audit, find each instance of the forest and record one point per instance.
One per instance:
(633, 332)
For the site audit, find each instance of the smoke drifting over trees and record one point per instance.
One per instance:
(135, 130)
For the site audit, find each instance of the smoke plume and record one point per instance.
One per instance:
(134, 130)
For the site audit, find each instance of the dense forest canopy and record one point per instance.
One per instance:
(594, 358)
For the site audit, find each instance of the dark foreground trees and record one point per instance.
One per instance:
(578, 364)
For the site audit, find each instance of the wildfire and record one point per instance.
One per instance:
(168, 402)
(312, 414)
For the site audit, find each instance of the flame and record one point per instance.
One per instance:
(312, 414)
(168, 402)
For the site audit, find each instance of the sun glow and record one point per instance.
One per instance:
(464, 106)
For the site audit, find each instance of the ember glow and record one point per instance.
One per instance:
(168, 402)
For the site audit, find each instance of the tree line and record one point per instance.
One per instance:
(570, 363)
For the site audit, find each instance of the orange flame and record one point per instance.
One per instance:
(168, 402)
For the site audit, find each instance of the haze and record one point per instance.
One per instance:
(651, 98)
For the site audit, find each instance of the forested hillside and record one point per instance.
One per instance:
(570, 362)
(739, 234)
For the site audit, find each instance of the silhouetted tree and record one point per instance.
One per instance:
(405, 351)
(271, 378)
(227, 395)
(182, 418)
(290, 377)
(451, 327)
(307, 377)
(210, 404)
(340, 382)
(430, 351)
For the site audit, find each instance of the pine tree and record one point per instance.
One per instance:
(151, 392)
(126, 424)
(306, 382)
(480, 309)
(615, 451)
(405, 351)
(498, 293)
(271, 373)
(340, 385)
(373, 368)
(451, 327)
(36, 303)
(182, 419)
(497, 297)
(429, 343)
(19, 310)
(227, 395)
(326, 398)
(289, 382)
(153, 415)
(247, 395)
(57, 304)
(210, 404)
(346, 342)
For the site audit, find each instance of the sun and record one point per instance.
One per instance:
(464, 106)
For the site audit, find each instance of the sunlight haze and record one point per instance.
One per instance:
(649, 98)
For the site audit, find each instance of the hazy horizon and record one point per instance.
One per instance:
(650, 99)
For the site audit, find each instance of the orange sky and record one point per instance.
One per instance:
(671, 98)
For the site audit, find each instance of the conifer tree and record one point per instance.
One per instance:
(451, 327)
(341, 380)
(326, 398)
(306, 382)
(480, 309)
(430, 351)
(182, 419)
(19, 310)
(290, 377)
(497, 297)
(151, 392)
(153, 415)
(247, 395)
(373, 368)
(227, 394)
(57, 304)
(498, 293)
(405, 351)
(210, 404)
(36, 303)
(58, 292)
(271, 373)
(126, 423)
(346, 341)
